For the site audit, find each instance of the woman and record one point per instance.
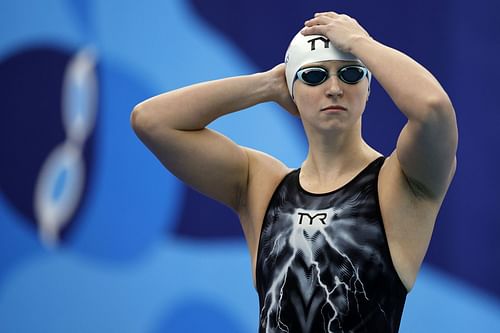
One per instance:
(337, 244)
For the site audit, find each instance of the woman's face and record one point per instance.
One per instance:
(333, 104)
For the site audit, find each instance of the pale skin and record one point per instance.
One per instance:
(412, 182)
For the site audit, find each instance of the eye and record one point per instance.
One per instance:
(312, 76)
(352, 74)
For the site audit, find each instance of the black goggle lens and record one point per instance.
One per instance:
(352, 74)
(314, 76)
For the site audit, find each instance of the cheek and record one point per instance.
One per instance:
(303, 98)
(362, 96)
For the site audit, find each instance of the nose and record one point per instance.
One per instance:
(333, 88)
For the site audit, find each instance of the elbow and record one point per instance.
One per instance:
(134, 119)
(437, 108)
(139, 120)
(440, 113)
(149, 124)
(440, 103)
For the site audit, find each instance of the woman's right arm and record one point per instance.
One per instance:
(173, 126)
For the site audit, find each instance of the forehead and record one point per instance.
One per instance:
(331, 64)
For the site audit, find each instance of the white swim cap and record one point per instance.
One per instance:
(308, 49)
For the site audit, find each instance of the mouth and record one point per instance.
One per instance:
(335, 108)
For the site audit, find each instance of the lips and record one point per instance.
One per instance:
(334, 108)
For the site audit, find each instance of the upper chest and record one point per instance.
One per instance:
(351, 211)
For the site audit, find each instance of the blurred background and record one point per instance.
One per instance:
(95, 236)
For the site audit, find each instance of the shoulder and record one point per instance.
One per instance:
(261, 164)
(264, 173)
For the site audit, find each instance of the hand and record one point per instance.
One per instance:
(341, 30)
(280, 90)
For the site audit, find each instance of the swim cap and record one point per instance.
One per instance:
(307, 49)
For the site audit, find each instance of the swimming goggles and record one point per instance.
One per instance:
(314, 76)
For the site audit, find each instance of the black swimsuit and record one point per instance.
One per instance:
(323, 263)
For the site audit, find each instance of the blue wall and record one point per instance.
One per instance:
(95, 236)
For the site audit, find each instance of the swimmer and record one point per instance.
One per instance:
(336, 244)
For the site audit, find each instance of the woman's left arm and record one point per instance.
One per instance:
(427, 145)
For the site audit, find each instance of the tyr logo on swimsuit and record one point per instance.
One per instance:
(316, 218)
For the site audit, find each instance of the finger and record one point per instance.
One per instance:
(332, 14)
(320, 20)
(313, 30)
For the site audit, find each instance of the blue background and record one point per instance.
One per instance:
(143, 253)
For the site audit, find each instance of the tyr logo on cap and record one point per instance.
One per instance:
(326, 42)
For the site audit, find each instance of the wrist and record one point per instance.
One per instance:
(264, 86)
(274, 84)
(359, 44)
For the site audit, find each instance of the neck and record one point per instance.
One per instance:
(334, 157)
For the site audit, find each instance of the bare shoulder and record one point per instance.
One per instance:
(263, 166)
(409, 217)
(265, 172)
